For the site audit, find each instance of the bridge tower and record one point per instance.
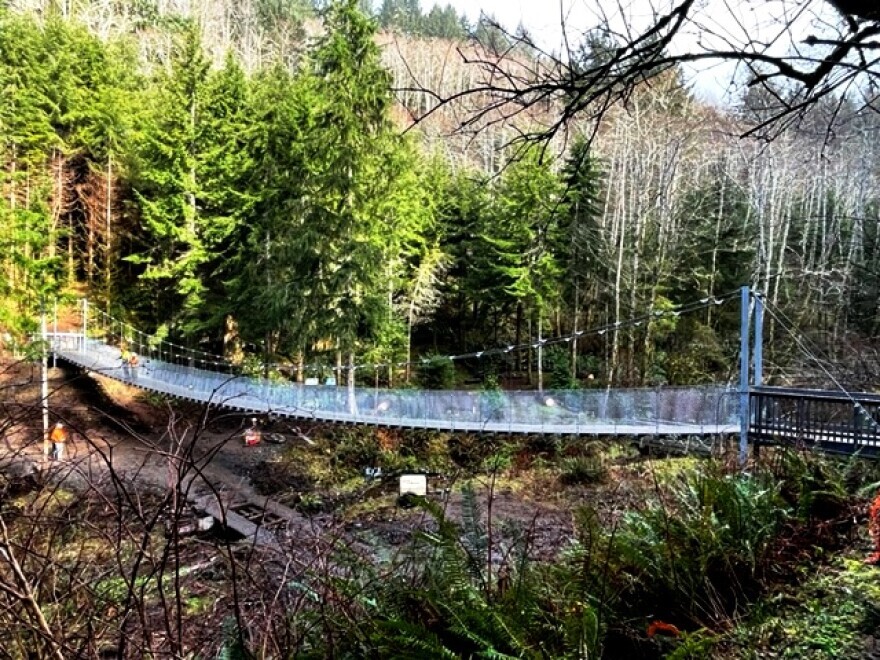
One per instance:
(749, 371)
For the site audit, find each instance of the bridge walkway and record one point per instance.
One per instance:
(696, 411)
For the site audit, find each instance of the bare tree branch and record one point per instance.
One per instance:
(522, 80)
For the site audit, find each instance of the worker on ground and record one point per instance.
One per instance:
(133, 365)
(58, 438)
(252, 436)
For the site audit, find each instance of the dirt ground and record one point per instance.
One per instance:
(112, 423)
(140, 438)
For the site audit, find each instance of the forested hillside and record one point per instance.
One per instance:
(245, 178)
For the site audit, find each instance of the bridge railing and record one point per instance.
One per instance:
(807, 417)
(700, 409)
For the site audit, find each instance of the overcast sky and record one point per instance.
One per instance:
(732, 19)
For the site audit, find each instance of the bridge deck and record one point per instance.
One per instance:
(832, 421)
(707, 411)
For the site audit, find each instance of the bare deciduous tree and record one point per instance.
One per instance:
(836, 57)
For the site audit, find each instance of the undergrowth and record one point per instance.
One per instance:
(668, 578)
(666, 558)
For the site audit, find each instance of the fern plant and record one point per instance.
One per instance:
(234, 646)
(699, 552)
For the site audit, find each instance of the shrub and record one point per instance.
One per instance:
(834, 615)
(702, 550)
(817, 487)
(449, 602)
(358, 448)
(557, 365)
(436, 372)
(543, 445)
(468, 450)
(583, 470)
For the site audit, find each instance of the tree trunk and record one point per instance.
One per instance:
(352, 401)
(409, 326)
(11, 270)
(108, 228)
(529, 352)
(574, 331)
(518, 338)
(267, 353)
(540, 356)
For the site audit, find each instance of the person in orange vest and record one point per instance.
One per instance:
(252, 436)
(58, 438)
(133, 364)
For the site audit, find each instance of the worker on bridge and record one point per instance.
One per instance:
(125, 357)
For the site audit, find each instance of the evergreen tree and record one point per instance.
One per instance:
(469, 290)
(167, 187)
(192, 165)
(339, 215)
(28, 115)
(577, 243)
(224, 165)
(414, 260)
(525, 219)
(353, 163)
(271, 273)
(443, 23)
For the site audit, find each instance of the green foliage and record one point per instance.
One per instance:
(469, 451)
(817, 487)
(695, 355)
(356, 449)
(427, 448)
(352, 154)
(435, 372)
(829, 616)
(234, 646)
(500, 460)
(702, 548)
(557, 368)
(310, 504)
(339, 211)
(699, 645)
(517, 240)
(270, 268)
(583, 470)
(455, 603)
(406, 16)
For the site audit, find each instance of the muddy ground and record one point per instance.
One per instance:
(142, 438)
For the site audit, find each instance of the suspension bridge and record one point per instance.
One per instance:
(702, 411)
(833, 421)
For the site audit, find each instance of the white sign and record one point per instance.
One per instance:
(311, 381)
(417, 484)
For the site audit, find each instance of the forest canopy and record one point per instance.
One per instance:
(254, 192)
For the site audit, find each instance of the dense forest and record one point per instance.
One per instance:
(303, 186)
(248, 179)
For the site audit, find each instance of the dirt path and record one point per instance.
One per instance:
(115, 434)
(120, 433)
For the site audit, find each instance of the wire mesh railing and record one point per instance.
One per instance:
(662, 411)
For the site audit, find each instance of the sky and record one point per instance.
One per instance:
(732, 21)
